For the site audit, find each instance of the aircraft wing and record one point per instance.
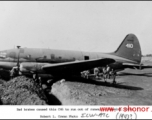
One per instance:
(145, 66)
(75, 66)
(136, 66)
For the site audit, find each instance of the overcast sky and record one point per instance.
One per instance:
(75, 25)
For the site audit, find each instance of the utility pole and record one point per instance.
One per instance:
(18, 65)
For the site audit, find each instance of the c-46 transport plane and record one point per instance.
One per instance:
(62, 63)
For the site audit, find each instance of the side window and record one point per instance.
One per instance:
(45, 57)
(86, 57)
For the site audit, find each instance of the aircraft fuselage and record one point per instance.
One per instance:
(52, 56)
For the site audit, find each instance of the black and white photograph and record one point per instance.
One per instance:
(75, 53)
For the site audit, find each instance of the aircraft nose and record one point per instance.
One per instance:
(3, 54)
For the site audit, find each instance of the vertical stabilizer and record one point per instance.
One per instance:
(130, 48)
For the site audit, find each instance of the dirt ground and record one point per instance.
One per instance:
(134, 87)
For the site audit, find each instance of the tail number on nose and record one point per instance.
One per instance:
(129, 45)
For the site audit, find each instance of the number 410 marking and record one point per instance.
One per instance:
(129, 45)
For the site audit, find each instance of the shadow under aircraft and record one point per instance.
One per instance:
(141, 74)
(102, 83)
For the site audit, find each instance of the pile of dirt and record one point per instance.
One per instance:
(75, 93)
(22, 91)
(1, 90)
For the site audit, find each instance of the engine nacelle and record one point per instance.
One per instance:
(27, 67)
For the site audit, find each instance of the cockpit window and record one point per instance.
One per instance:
(2, 54)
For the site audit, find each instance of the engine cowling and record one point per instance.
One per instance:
(27, 67)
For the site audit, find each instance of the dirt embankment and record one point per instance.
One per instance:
(21, 91)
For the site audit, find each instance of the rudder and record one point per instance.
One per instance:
(130, 48)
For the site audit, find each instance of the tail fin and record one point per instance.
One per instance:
(130, 48)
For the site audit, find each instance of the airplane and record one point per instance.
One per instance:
(63, 63)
